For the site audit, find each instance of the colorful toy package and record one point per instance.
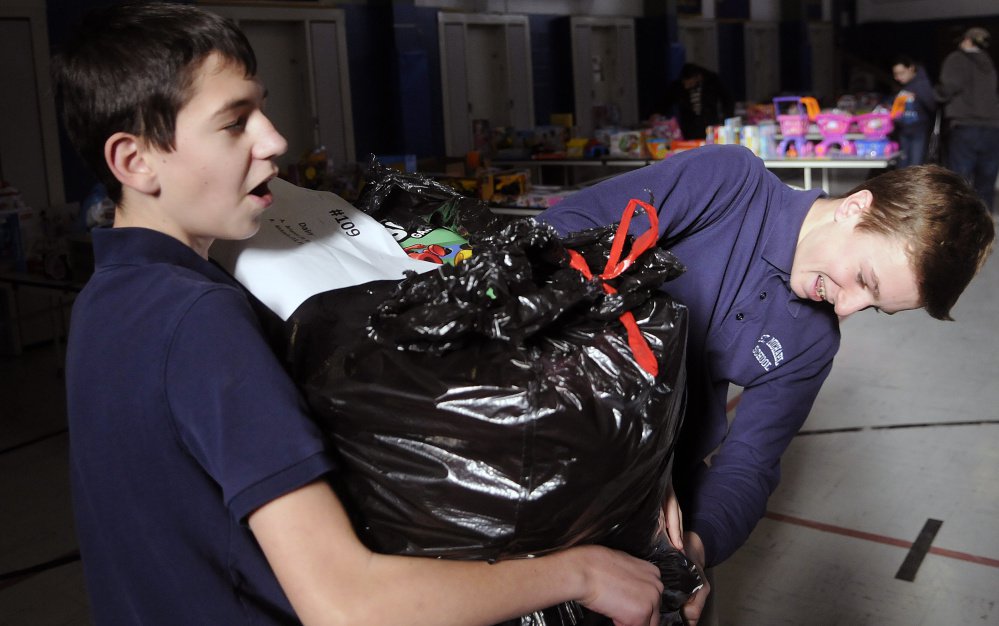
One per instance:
(627, 144)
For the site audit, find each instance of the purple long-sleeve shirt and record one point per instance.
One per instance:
(735, 226)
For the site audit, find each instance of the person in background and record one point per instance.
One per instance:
(698, 99)
(771, 272)
(916, 122)
(968, 88)
(200, 485)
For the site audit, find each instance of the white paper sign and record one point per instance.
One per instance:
(309, 242)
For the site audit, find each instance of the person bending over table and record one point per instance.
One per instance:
(771, 272)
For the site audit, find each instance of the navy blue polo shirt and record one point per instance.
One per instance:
(182, 422)
(735, 226)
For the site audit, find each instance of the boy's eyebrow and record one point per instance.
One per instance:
(233, 105)
(238, 103)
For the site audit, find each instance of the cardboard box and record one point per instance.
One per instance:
(628, 144)
(686, 144)
(561, 119)
(657, 147)
(576, 148)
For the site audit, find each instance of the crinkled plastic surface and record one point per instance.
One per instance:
(408, 202)
(494, 410)
(517, 283)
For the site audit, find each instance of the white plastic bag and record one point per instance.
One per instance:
(309, 242)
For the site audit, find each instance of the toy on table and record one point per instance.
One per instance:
(627, 144)
(898, 106)
(875, 126)
(833, 125)
(794, 124)
(657, 147)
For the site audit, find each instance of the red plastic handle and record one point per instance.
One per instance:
(616, 265)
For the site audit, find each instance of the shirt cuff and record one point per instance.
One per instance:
(279, 484)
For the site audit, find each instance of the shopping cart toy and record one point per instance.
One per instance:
(794, 124)
(833, 125)
(875, 127)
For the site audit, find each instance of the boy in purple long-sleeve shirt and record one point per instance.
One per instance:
(770, 272)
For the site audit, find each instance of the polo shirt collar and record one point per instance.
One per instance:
(781, 237)
(143, 246)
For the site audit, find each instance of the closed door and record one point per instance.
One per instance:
(302, 59)
(22, 146)
(699, 39)
(486, 76)
(820, 36)
(762, 61)
(604, 73)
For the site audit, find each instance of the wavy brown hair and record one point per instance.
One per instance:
(946, 228)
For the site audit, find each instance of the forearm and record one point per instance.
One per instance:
(950, 81)
(726, 508)
(331, 578)
(724, 502)
(943, 92)
(432, 592)
(925, 97)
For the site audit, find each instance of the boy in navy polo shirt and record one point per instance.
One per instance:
(198, 479)
(770, 272)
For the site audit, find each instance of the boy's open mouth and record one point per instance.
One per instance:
(820, 288)
(260, 190)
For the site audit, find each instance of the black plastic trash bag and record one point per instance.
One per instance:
(411, 204)
(495, 409)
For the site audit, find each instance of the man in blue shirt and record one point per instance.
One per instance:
(770, 271)
(199, 482)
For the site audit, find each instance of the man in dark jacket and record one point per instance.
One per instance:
(698, 99)
(968, 88)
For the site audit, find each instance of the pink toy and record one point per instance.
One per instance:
(833, 127)
(794, 124)
(875, 127)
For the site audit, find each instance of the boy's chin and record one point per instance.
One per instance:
(253, 230)
(250, 229)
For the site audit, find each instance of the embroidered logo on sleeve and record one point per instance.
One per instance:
(768, 352)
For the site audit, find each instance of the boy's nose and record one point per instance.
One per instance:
(848, 304)
(270, 143)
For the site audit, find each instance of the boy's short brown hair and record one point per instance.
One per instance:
(131, 69)
(946, 227)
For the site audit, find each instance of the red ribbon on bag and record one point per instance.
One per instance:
(616, 265)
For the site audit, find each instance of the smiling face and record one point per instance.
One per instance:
(213, 185)
(853, 269)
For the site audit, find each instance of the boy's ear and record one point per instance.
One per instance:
(854, 204)
(126, 156)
